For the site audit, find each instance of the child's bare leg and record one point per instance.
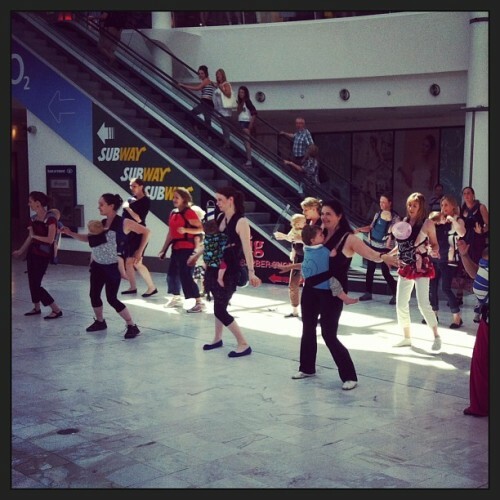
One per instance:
(346, 299)
(220, 277)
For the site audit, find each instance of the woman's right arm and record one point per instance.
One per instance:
(469, 265)
(199, 86)
(24, 246)
(76, 236)
(164, 248)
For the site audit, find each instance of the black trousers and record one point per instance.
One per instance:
(315, 303)
(386, 272)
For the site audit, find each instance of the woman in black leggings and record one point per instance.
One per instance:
(233, 222)
(104, 272)
(39, 245)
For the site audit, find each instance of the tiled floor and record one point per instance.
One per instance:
(159, 412)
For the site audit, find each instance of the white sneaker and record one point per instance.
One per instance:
(298, 375)
(436, 344)
(175, 301)
(403, 343)
(349, 385)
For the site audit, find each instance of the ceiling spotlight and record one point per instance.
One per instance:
(435, 89)
(260, 96)
(344, 94)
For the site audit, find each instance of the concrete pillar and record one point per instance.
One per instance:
(476, 168)
(160, 22)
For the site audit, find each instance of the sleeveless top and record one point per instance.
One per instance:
(477, 241)
(208, 91)
(233, 251)
(447, 240)
(141, 207)
(414, 260)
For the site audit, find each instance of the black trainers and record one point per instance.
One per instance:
(132, 332)
(97, 325)
(392, 302)
(366, 296)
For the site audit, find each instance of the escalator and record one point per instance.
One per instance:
(149, 103)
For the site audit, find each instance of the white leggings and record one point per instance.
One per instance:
(403, 295)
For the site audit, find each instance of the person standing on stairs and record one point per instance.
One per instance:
(223, 87)
(206, 104)
(246, 118)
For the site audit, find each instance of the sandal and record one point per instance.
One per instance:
(53, 315)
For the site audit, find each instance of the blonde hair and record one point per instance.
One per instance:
(296, 218)
(436, 216)
(422, 211)
(95, 226)
(311, 202)
(198, 211)
(452, 201)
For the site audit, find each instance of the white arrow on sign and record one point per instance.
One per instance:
(105, 133)
(54, 102)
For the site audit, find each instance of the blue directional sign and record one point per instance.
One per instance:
(52, 98)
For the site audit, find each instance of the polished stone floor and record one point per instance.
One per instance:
(92, 410)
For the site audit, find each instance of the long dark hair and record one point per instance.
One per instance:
(113, 199)
(238, 198)
(240, 101)
(139, 182)
(344, 224)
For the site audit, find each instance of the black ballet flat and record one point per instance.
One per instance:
(454, 326)
(33, 312)
(129, 292)
(246, 352)
(53, 315)
(209, 347)
(149, 294)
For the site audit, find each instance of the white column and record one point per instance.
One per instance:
(475, 171)
(161, 22)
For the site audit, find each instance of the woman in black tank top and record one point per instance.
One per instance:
(232, 222)
(316, 302)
